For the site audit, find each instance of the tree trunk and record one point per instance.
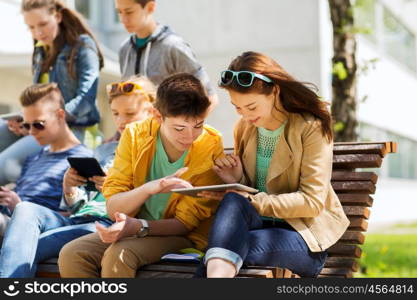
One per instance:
(344, 71)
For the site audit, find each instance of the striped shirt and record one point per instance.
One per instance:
(43, 173)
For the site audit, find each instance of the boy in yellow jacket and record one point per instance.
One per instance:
(174, 149)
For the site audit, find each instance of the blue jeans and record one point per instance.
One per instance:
(240, 236)
(36, 233)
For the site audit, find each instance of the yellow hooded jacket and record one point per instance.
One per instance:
(134, 157)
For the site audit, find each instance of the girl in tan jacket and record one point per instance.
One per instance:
(283, 148)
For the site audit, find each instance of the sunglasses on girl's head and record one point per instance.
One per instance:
(243, 78)
(39, 125)
(124, 87)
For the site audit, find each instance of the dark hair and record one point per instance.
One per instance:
(70, 28)
(36, 92)
(296, 97)
(143, 2)
(181, 94)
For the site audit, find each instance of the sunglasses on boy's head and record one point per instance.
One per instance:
(126, 88)
(243, 78)
(39, 125)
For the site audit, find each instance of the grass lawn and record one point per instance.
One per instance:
(389, 255)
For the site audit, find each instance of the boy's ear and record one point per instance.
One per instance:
(157, 115)
(150, 7)
(61, 114)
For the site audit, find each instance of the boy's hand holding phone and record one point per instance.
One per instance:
(72, 180)
(9, 198)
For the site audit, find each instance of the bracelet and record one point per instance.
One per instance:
(71, 196)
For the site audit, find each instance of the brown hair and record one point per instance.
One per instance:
(36, 92)
(70, 28)
(296, 96)
(148, 88)
(181, 94)
(143, 2)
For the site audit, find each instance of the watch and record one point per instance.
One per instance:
(144, 230)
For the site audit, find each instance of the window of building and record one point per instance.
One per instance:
(402, 164)
(388, 32)
(365, 18)
(398, 41)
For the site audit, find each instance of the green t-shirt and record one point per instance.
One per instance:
(267, 140)
(154, 207)
(94, 207)
(141, 42)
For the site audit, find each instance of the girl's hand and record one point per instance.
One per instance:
(229, 168)
(242, 193)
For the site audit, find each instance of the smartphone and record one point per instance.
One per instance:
(86, 167)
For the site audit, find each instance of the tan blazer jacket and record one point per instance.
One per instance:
(298, 181)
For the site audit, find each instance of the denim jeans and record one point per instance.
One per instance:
(240, 236)
(36, 233)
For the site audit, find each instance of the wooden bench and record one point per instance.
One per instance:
(353, 187)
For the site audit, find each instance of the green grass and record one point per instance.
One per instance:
(389, 255)
(412, 225)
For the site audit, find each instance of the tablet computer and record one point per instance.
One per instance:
(86, 167)
(215, 188)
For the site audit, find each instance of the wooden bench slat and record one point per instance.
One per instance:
(342, 262)
(358, 148)
(358, 224)
(353, 237)
(357, 211)
(353, 187)
(42, 274)
(177, 268)
(356, 199)
(353, 161)
(340, 249)
(339, 175)
(188, 268)
(259, 273)
(337, 271)
(390, 147)
(277, 272)
(155, 274)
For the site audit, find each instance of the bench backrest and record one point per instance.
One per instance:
(354, 188)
